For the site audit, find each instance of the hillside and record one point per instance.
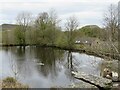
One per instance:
(8, 26)
(90, 31)
(91, 26)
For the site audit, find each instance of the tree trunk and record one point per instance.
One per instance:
(119, 39)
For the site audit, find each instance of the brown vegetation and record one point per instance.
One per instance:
(10, 82)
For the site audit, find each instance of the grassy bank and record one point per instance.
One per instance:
(100, 51)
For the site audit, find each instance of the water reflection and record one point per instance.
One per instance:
(25, 62)
(69, 58)
(51, 58)
(56, 68)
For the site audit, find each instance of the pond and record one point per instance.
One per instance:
(45, 67)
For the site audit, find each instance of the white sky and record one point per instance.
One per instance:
(86, 11)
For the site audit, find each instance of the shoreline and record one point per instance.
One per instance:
(80, 50)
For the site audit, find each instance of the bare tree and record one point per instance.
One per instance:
(24, 21)
(111, 24)
(71, 25)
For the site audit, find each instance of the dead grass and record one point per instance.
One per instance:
(10, 82)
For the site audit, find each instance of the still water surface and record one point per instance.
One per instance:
(55, 69)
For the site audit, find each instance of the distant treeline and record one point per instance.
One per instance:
(50, 37)
(46, 30)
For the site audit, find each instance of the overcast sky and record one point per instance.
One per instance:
(86, 11)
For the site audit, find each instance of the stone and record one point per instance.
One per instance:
(114, 76)
(81, 85)
(94, 80)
